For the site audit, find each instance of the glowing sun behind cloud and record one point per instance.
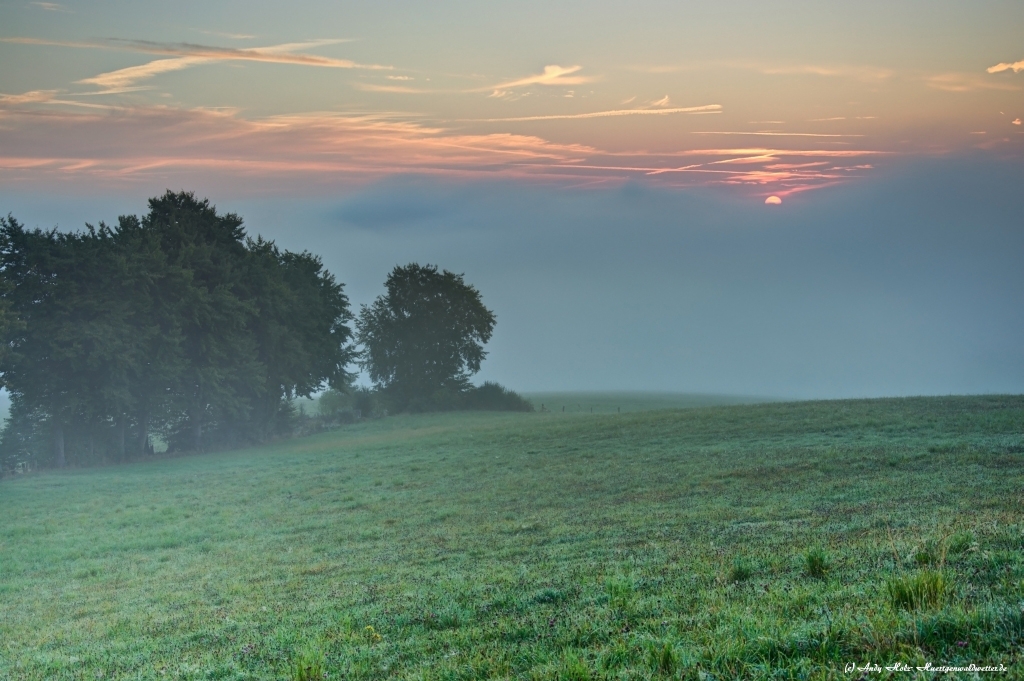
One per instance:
(773, 201)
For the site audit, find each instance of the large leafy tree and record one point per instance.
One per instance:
(300, 327)
(424, 337)
(68, 355)
(219, 363)
(155, 289)
(176, 321)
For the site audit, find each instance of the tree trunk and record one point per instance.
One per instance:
(120, 438)
(195, 418)
(58, 446)
(143, 433)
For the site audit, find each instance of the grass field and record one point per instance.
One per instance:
(780, 540)
(624, 402)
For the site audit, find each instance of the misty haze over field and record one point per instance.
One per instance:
(907, 282)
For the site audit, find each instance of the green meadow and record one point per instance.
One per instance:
(777, 540)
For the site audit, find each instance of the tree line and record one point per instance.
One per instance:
(178, 323)
(175, 322)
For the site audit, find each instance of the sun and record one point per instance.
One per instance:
(773, 201)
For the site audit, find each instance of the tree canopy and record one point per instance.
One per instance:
(424, 337)
(175, 322)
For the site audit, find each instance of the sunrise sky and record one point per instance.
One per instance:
(788, 198)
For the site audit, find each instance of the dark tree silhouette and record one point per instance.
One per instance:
(424, 338)
(176, 322)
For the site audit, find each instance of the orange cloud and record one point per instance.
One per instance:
(1016, 67)
(400, 89)
(967, 82)
(869, 74)
(770, 134)
(706, 109)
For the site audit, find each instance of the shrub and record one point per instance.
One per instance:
(494, 397)
(366, 401)
(332, 403)
(925, 589)
(816, 563)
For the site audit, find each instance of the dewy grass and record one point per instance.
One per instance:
(531, 546)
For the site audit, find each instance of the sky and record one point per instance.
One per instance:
(792, 199)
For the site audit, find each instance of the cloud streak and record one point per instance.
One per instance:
(50, 6)
(771, 134)
(706, 109)
(968, 82)
(193, 55)
(394, 89)
(868, 74)
(552, 75)
(186, 55)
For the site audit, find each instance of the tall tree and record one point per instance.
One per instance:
(300, 327)
(154, 289)
(425, 335)
(219, 364)
(68, 356)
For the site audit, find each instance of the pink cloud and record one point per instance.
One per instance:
(169, 146)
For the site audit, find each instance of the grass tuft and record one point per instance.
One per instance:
(573, 668)
(663, 659)
(961, 542)
(926, 589)
(816, 563)
(741, 570)
(620, 591)
(309, 665)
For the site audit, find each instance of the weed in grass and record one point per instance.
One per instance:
(926, 589)
(740, 571)
(816, 563)
(309, 665)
